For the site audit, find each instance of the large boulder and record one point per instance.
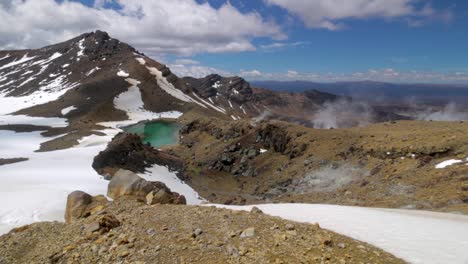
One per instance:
(81, 204)
(127, 183)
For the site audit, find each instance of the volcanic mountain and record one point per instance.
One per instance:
(94, 78)
(80, 78)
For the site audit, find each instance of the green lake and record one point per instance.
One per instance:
(158, 133)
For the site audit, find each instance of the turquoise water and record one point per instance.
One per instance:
(158, 133)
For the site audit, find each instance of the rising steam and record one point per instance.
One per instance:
(450, 112)
(264, 115)
(343, 113)
(329, 178)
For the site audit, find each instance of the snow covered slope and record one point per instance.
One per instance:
(418, 237)
(36, 189)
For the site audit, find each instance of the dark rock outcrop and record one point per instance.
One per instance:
(274, 137)
(127, 152)
(234, 88)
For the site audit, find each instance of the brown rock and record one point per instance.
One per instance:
(249, 232)
(81, 204)
(93, 227)
(158, 197)
(77, 203)
(108, 222)
(256, 210)
(127, 183)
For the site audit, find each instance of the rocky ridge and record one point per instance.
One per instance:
(128, 231)
(381, 165)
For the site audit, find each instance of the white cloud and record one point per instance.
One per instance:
(186, 61)
(251, 74)
(328, 14)
(154, 27)
(101, 3)
(292, 74)
(384, 75)
(196, 70)
(278, 45)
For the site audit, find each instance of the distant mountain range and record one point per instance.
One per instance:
(379, 91)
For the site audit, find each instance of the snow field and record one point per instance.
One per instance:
(419, 237)
(67, 110)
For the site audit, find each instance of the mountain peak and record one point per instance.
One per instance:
(100, 35)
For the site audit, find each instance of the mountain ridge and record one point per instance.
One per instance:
(86, 74)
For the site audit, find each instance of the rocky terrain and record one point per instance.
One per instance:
(126, 151)
(128, 231)
(384, 165)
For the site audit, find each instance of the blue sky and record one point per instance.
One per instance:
(317, 40)
(374, 43)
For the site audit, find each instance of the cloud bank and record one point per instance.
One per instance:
(384, 75)
(330, 14)
(182, 27)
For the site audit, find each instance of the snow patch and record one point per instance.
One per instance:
(217, 85)
(141, 61)
(162, 174)
(169, 87)
(6, 84)
(54, 56)
(80, 52)
(67, 110)
(51, 91)
(122, 73)
(32, 120)
(219, 109)
(230, 104)
(132, 103)
(263, 151)
(447, 163)
(24, 59)
(26, 73)
(95, 69)
(27, 80)
(243, 110)
(5, 57)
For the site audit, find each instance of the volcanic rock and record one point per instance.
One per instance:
(127, 151)
(81, 204)
(127, 183)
